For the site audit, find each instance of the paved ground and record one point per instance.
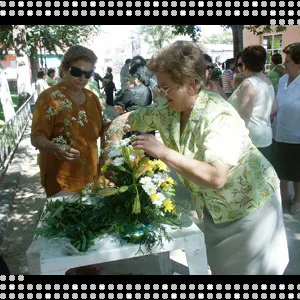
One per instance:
(22, 199)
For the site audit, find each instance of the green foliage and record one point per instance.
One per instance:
(223, 38)
(191, 30)
(261, 29)
(75, 220)
(215, 75)
(156, 35)
(52, 36)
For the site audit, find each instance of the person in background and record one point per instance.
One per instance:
(238, 74)
(206, 142)
(66, 124)
(227, 77)
(93, 86)
(124, 74)
(255, 99)
(139, 95)
(50, 78)
(211, 85)
(138, 59)
(109, 86)
(286, 127)
(277, 70)
(41, 84)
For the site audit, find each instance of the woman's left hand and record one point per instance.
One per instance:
(150, 144)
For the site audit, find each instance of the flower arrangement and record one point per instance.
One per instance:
(135, 207)
(141, 200)
(60, 104)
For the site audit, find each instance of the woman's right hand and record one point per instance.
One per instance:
(67, 153)
(119, 109)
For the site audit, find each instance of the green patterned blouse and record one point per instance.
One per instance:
(214, 132)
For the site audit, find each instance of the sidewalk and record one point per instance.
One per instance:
(22, 199)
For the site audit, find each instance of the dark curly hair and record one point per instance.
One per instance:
(254, 58)
(140, 71)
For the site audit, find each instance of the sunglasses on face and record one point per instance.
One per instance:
(76, 72)
(240, 64)
(210, 67)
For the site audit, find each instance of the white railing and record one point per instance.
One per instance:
(12, 132)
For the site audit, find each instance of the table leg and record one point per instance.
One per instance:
(197, 260)
(164, 263)
(33, 257)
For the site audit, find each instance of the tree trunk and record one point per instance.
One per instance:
(237, 34)
(34, 64)
(23, 68)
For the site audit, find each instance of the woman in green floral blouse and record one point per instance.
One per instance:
(206, 142)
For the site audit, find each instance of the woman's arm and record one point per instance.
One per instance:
(46, 146)
(118, 126)
(280, 70)
(245, 101)
(208, 175)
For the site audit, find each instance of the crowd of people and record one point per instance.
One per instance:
(219, 135)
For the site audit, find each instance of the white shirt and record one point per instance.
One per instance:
(286, 126)
(259, 125)
(41, 85)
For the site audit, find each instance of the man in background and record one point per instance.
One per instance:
(124, 74)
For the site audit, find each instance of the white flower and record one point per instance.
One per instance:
(146, 180)
(158, 199)
(119, 161)
(159, 178)
(149, 188)
(114, 153)
(124, 142)
(132, 158)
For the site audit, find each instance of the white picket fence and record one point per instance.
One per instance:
(12, 132)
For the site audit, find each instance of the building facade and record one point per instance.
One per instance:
(273, 42)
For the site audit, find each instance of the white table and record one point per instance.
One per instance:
(47, 257)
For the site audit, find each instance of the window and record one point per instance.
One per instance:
(272, 44)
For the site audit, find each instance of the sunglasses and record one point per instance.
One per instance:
(210, 67)
(240, 64)
(76, 72)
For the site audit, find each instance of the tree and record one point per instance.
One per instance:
(237, 32)
(23, 70)
(156, 35)
(50, 37)
(224, 38)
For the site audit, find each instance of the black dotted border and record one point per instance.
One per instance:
(166, 287)
(271, 12)
(148, 287)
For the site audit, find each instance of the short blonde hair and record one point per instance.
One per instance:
(183, 61)
(75, 53)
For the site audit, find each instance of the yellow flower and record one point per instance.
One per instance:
(170, 180)
(161, 165)
(164, 185)
(153, 197)
(146, 167)
(169, 206)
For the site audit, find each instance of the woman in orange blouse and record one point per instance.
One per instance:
(67, 122)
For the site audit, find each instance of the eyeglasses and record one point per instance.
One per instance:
(210, 67)
(76, 72)
(162, 91)
(240, 64)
